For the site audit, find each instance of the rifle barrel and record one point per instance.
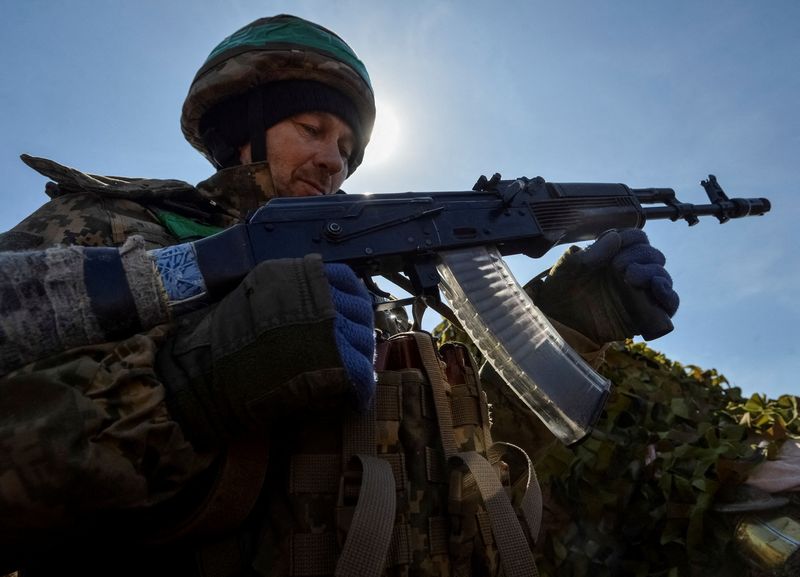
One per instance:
(723, 210)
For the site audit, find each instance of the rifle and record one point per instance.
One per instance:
(384, 234)
(449, 240)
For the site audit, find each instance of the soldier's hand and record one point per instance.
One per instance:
(354, 329)
(295, 337)
(614, 289)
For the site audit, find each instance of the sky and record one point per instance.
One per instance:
(647, 93)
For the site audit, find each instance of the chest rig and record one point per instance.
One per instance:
(414, 487)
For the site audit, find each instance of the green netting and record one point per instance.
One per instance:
(636, 497)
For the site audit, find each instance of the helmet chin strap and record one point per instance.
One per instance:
(255, 117)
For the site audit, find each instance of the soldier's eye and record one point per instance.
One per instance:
(309, 129)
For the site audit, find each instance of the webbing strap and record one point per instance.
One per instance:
(436, 376)
(367, 545)
(483, 403)
(516, 556)
(400, 551)
(312, 554)
(465, 411)
(532, 502)
(358, 435)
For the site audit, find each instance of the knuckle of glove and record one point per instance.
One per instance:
(632, 236)
(641, 275)
(351, 300)
(359, 336)
(342, 278)
(664, 294)
(355, 309)
(637, 254)
(656, 282)
(601, 252)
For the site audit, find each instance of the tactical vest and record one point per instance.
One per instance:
(414, 487)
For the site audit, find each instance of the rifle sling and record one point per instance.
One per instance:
(440, 386)
(366, 548)
(369, 537)
(515, 553)
(532, 500)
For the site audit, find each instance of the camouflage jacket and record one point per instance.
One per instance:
(87, 431)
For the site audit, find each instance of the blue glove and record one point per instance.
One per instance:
(354, 329)
(640, 264)
(614, 289)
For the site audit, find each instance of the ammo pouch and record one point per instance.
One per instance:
(413, 487)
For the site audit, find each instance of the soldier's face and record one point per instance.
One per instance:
(307, 154)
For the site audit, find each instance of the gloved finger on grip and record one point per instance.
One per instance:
(355, 308)
(638, 254)
(641, 275)
(353, 329)
(350, 297)
(361, 337)
(358, 358)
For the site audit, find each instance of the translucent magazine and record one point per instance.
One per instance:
(521, 344)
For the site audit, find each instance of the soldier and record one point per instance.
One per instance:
(210, 445)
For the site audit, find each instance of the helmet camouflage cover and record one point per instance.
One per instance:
(273, 49)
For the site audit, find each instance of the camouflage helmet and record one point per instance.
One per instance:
(271, 51)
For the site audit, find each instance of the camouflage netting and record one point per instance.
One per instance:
(637, 496)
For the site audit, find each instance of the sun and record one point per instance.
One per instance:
(385, 134)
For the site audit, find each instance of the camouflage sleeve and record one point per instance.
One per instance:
(88, 430)
(86, 219)
(591, 352)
